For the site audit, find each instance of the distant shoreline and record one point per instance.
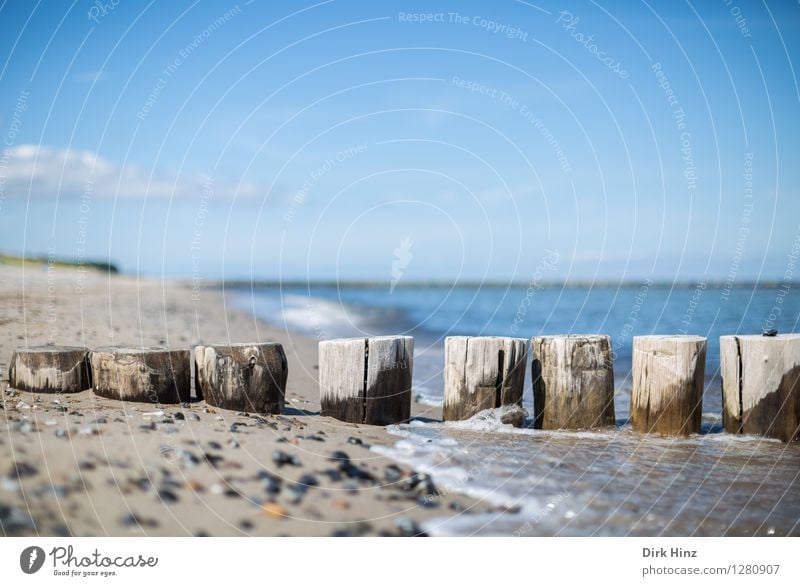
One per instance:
(111, 267)
(358, 284)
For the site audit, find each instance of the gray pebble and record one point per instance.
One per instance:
(408, 527)
(392, 473)
(282, 458)
(133, 520)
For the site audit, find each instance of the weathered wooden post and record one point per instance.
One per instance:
(482, 373)
(761, 385)
(367, 380)
(241, 377)
(50, 369)
(156, 374)
(573, 382)
(667, 395)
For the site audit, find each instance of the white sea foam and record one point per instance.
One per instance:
(604, 482)
(324, 318)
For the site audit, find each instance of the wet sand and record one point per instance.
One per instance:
(78, 464)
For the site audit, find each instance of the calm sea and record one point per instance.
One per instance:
(613, 482)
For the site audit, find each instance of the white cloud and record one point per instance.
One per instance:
(42, 171)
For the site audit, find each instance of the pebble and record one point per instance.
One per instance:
(457, 507)
(89, 431)
(194, 486)
(180, 416)
(61, 433)
(770, 333)
(272, 484)
(8, 484)
(512, 414)
(426, 502)
(167, 496)
(214, 445)
(23, 405)
(358, 529)
(340, 456)
(194, 417)
(296, 492)
(133, 520)
(274, 510)
(420, 483)
(392, 473)
(356, 473)
(14, 519)
(233, 443)
(282, 458)
(408, 527)
(333, 474)
(188, 459)
(213, 459)
(99, 421)
(24, 427)
(308, 480)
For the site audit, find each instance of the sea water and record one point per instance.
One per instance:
(608, 482)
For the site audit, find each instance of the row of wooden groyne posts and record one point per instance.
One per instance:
(368, 380)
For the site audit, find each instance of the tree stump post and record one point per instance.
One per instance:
(156, 375)
(573, 382)
(242, 377)
(667, 395)
(367, 380)
(761, 385)
(50, 369)
(482, 373)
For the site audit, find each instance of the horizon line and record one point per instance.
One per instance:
(491, 284)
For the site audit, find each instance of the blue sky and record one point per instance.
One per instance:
(457, 139)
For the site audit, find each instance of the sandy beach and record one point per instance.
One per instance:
(81, 465)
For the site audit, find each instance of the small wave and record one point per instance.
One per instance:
(324, 318)
(426, 396)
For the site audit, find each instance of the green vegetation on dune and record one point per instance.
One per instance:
(95, 265)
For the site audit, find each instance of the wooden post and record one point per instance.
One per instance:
(761, 385)
(367, 380)
(156, 375)
(50, 369)
(482, 373)
(668, 382)
(573, 382)
(241, 377)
